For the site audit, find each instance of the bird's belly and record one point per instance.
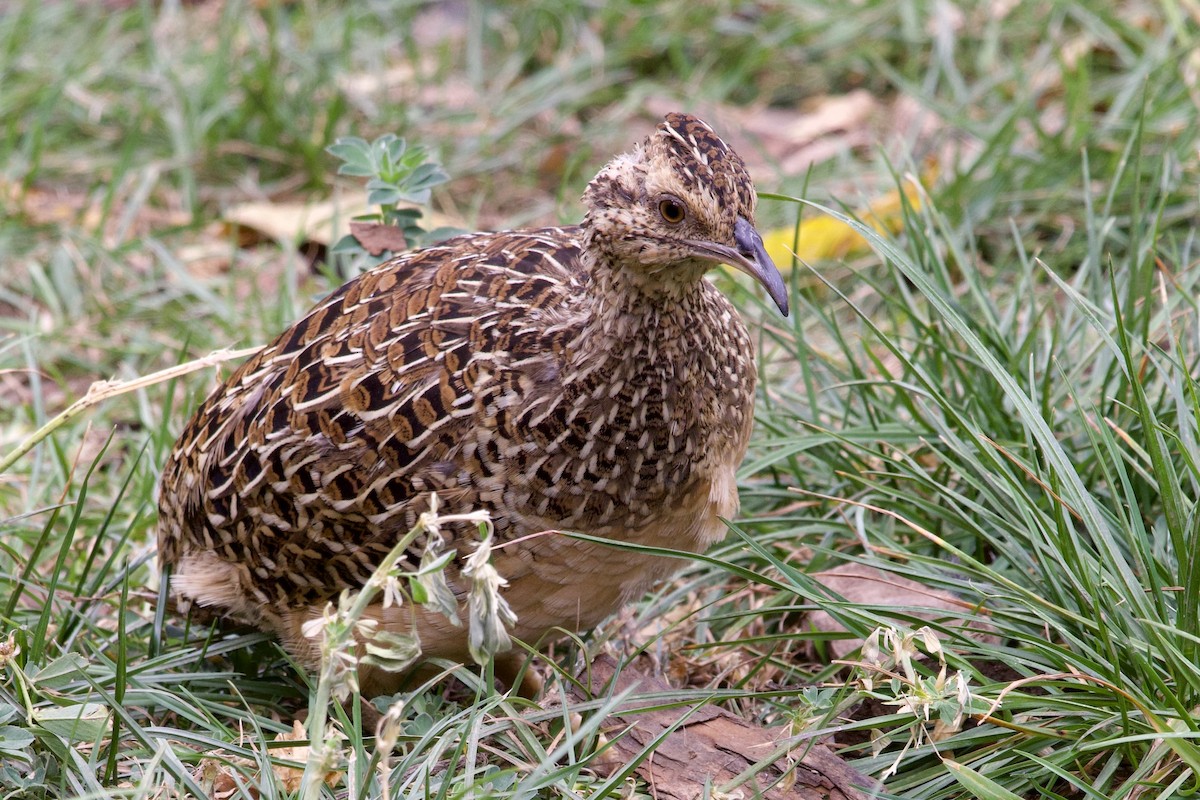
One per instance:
(574, 585)
(557, 580)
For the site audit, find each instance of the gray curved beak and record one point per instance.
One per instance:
(757, 264)
(749, 257)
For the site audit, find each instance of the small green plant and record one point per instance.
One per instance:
(400, 180)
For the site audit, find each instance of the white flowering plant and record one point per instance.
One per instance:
(342, 629)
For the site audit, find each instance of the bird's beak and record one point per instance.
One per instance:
(757, 264)
(751, 258)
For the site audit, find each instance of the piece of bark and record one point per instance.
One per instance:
(859, 583)
(710, 746)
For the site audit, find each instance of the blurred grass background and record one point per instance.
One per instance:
(995, 396)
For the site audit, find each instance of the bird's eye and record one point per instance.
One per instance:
(671, 210)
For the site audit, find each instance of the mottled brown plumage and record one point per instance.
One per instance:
(584, 378)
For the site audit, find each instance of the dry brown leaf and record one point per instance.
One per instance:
(63, 205)
(794, 139)
(206, 258)
(296, 223)
(377, 238)
(859, 583)
(54, 206)
(820, 116)
(220, 778)
(710, 745)
(290, 777)
(321, 222)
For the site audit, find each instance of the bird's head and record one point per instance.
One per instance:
(678, 204)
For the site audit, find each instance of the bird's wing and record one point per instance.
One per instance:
(319, 452)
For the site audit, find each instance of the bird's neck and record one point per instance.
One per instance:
(645, 301)
(658, 367)
(649, 324)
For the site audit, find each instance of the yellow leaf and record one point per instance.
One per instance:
(822, 237)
